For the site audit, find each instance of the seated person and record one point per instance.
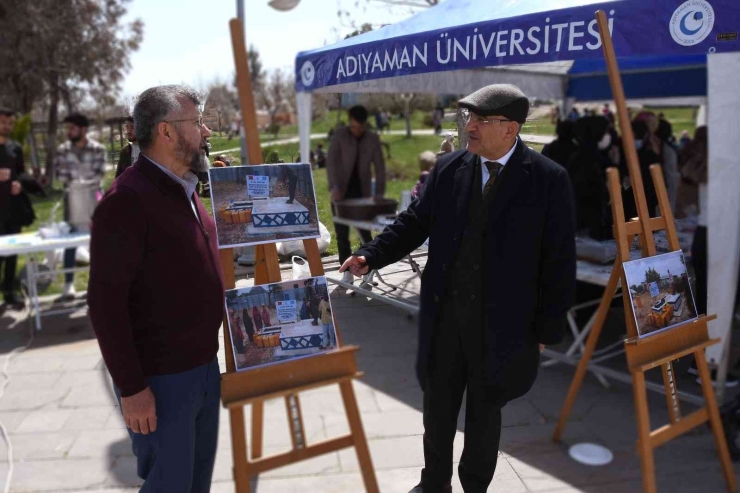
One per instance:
(320, 155)
(426, 162)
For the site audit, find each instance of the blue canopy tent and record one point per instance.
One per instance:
(678, 51)
(646, 78)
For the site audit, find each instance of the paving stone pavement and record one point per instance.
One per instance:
(68, 435)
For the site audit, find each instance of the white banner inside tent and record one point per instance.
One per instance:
(724, 199)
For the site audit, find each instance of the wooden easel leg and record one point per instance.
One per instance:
(239, 450)
(674, 408)
(258, 408)
(715, 421)
(643, 432)
(358, 435)
(593, 339)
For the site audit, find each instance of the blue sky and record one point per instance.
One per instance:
(187, 41)
(662, 263)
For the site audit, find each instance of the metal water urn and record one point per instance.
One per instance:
(82, 198)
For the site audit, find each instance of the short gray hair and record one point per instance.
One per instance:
(153, 106)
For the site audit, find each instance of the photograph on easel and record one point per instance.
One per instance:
(260, 204)
(660, 291)
(270, 323)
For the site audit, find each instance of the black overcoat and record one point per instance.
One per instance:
(529, 266)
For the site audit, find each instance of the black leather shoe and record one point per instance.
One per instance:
(419, 488)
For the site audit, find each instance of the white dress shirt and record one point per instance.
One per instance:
(135, 151)
(502, 161)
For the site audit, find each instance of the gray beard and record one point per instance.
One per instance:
(199, 163)
(196, 161)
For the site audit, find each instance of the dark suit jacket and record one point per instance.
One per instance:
(124, 160)
(529, 270)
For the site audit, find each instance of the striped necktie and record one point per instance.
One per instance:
(493, 168)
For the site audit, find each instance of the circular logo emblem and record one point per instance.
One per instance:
(692, 22)
(307, 73)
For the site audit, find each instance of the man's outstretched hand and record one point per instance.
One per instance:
(357, 265)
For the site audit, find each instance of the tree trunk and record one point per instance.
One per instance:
(67, 96)
(51, 132)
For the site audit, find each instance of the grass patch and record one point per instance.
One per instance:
(682, 118)
(539, 127)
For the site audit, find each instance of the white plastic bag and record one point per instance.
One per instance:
(300, 268)
(290, 248)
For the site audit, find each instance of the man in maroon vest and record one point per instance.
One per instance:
(156, 295)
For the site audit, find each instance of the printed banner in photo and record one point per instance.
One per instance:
(286, 311)
(258, 186)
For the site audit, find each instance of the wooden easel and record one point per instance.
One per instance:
(289, 378)
(661, 349)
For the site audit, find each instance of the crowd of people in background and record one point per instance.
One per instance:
(588, 144)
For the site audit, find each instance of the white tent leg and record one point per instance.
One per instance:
(723, 233)
(303, 103)
(566, 106)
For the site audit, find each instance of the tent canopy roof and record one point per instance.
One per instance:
(560, 36)
(456, 13)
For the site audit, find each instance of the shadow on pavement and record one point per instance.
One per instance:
(388, 342)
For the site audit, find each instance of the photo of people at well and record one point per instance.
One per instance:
(261, 204)
(275, 322)
(660, 290)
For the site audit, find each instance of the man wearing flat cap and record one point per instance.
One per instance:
(497, 285)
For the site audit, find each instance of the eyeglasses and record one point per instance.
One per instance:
(198, 122)
(468, 117)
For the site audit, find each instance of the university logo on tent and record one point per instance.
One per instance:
(307, 73)
(692, 22)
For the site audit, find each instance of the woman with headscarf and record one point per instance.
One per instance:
(236, 332)
(669, 160)
(257, 318)
(561, 149)
(587, 171)
(266, 316)
(646, 157)
(248, 324)
(692, 167)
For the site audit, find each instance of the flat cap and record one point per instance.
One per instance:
(498, 99)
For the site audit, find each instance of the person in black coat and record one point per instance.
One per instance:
(497, 285)
(130, 152)
(647, 157)
(16, 210)
(561, 149)
(248, 324)
(587, 171)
